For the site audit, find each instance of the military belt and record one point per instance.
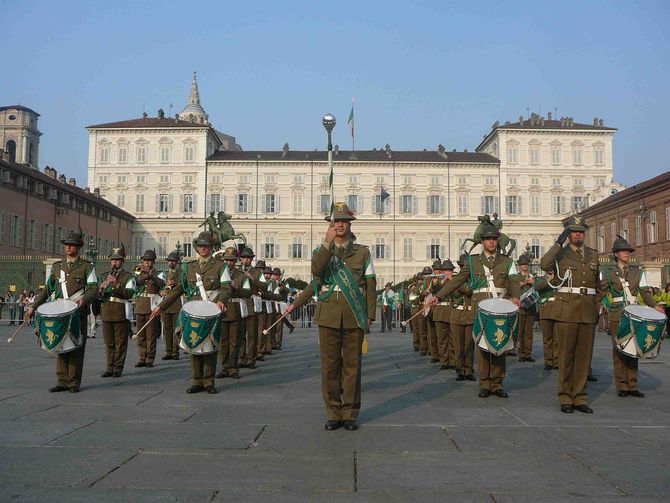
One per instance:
(444, 303)
(116, 299)
(463, 308)
(149, 295)
(486, 290)
(577, 290)
(336, 288)
(617, 299)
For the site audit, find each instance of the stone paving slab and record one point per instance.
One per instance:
(19, 433)
(113, 413)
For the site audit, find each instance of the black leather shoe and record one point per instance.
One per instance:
(194, 389)
(434, 360)
(260, 358)
(484, 393)
(175, 357)
(211, 390)
(116, 373)
(222, 375)
(567, 409)
(460, 377)
(547, 366)
(622, 393)
(592, 378)
(471, 377)
(150, 364)
(416, 349)
(637, 393)
(350, 424)
(530, 359)
(332, 425)
(501, 393)
(583, 408)
(140, 364)
(57, 389)
(291, 329)
(251, 366)
(73, 390)
(167, 357)
(106, 374)
(235, 376)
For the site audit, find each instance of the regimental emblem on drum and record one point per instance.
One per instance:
(649, 341)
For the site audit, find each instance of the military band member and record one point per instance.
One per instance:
(248, 346)
(170, 314)
(460, 326)
(233, 327)
(431, 329)
(283, 291)
(526, 320)
(421, 320)
(622, 285)
(574, 312)
(149, 286)
(82, 287)
(116, 291)
(216, 282)
(477, 268)
(441, 316)
(545, 307)
(414, 302)
(388, 307)
(344, 279)
(261, 341)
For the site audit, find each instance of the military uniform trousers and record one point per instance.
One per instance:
(269, 340)
(464, 346)
(422, 327)
(625, 367)
(232, 333)
(203, 369)
(279, 334)
(115, 334)
(169, 320)
(491, 370)
(146, 339)
(262, 339)
(388, 316)
(526, 322)
(445, 345)
(575, 348)
(550, 343)
(70, 365)
(248, 344)
(414, 326)
(341, 351)
(432, 337)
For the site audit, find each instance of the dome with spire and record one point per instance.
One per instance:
(193, 111)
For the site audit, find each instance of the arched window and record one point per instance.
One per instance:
(11, 148)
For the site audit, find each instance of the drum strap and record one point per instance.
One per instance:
(630, 299)
(489, 279)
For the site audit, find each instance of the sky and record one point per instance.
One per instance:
(423, 73)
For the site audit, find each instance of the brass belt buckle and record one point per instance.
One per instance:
(583, 290)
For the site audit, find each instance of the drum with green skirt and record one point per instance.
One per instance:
(495, 325)
(199, 324)
(640, 331)
(58, 326)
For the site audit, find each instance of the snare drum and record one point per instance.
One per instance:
(495, 324)
(199, 324)
(529, 298)
(59, 326)
(640, 331)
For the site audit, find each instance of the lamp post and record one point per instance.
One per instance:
(328, 122)
(91, 251)
(643, 211)
(178, 247)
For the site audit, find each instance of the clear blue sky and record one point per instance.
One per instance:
(423, 73)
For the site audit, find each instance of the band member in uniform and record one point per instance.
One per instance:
(421, 320)
(623, 284)
(233, 327)
(248, 346)
(149, 286)
(345, 281)
(115, 292)
(82, 287)
(216, 282)
(546, 305)
(170, 314)
(388, 307)
(476, 268)
(414, 302)
(460, 325)
(431, 329)
(263, 315)
(441, 315)
(271, 297)
(526, 320)
(283, 291)
(576, 269)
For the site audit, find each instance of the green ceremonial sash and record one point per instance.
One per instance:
(339, 274)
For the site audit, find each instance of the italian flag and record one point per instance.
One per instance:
(351, 118)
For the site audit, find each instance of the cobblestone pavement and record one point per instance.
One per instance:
(423, 436)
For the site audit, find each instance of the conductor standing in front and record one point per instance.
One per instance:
(345, 284)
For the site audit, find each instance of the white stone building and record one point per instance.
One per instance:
(19, 136)
(170, 173)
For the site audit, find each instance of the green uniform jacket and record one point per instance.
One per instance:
(214, 276)
(547, 298)
(147, 284)
(236, 292)
(572, 307)
(80, 276)
(176, 277)
(462, 297)
(335, 312)
(521, 278)
(123, 288)
(502, 265)
(254, 288)
(441, 313)
(611, 283)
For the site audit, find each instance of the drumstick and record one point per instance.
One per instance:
(265, 332)
(421, 309)
(11, 339)
(145, 326)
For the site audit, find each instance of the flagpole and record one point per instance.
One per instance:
(328, 122)
(353, 135)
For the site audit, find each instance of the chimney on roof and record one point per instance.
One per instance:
(161, 113)
(601, 122)
(548, 116)
(495, 124)
(176, 117)
(62, 179)
(521, 120)
(337, 150)
(145, 115)
(572, 122)
(284, 150)
(50, 172)
(87, 190)
(465, 150)
(96, 192)
(72, 181)
(595, 121)
(541, 121)
(389, 152)
(507, 123)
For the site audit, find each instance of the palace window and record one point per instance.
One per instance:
(489, 180)
(613, 232)
(624, 229)
(243, 179)
(271, 203)
(638, 230)
(188, 178)
(140, 179)
(435, 248)
(408, 204)
(577, 156)
(535, 205)
(123, 154)
(380, 249)
(598, 155)
(536, 248)
(269, 247)
(463, 204)
(121, 200)
(243, 203)
(189, 153)
(215, 203)
(139, 203)
(298, 179)
(141, 153)
(407, 247)
(557, 205)
(652, 228)
(599, 181)
(164, 179)
(324, 203)
(555, 156)
(576, 203)
(435, 204)
(534, 155)
(462, 180)
(188, 205)
(164, 203)
(513, 205)
(352, 202)
(297, 247)
(489, 204)
(512, 154)
(406, 180)
(165, 154)
(512, 180)
(297, 202)
(121, 179)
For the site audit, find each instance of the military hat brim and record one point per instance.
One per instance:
(341, 218)
(116, 256)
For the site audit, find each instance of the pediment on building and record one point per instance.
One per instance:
(103, 186)
(408, 189)
(270, 187)
(243, 187)
(352, 186)
(164, 187)
(298, 189)
(578, 190)
(140, 188)
(534, 188)
(462, 189)
(556, 190)
(188, 187)
(215, 187)
(121, 187)
(489, 189)
(513, 189)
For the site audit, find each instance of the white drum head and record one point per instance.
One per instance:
(201, 309)
(644, 313)
(57, 307)
(498, 306)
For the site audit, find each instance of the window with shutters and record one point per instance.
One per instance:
(512, 154)
(163, 203)
(104, 154)
(534, 155)
(352, 202)
(243, 205)
(139, 203)
(489, 204)
(187, 247)
(380, 249)
(379, 206)
(535, 181)
(667, 223)
(624, 229)
(189, 152)
(269, 247)
(463, 204)
(557, 204)
(271, 203)
(576, 203)
(123, 154)
(141, 153)
(188, 203)
(324, 203)
(613, 232)
(577, 153)
(164, 153)
(407, 247)
(555, 156)
(638, 230)
(297, 198)
(138, 245)
(652, 228)
(601, 239)
(435, 248)
(598, 155)
(513, 205)
(215, 203)
(296, 247)
(535, 205)
(161, 250)
(536, 248)
(121, 200)
(433, 205)
(406, 203)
